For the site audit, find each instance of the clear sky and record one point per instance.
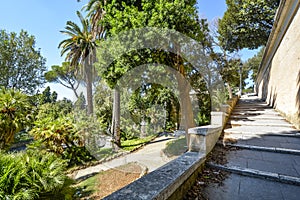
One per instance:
(45, 18)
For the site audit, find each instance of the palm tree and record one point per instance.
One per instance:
(96, 12)
(81, 50)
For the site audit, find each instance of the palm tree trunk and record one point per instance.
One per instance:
(89, 87)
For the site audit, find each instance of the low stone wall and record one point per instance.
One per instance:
(164, 182)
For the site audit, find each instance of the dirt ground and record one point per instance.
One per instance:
(114, 179)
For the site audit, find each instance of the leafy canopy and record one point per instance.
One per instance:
(64, 75)
(22, 65)
(247, 23)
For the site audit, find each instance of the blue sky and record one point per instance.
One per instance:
(45, 18)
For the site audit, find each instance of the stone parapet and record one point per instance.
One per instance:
(170, 181)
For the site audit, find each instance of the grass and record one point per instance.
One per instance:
(87, 187)
(104, 153)
(176, 147)
(130, 145)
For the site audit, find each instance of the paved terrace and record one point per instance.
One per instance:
(264, 162)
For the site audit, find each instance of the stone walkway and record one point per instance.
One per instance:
(150, 156)
(264, 162)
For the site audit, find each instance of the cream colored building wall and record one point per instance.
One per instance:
(280, 83)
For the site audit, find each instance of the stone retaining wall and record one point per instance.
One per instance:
(278, 79)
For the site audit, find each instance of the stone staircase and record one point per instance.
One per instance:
(259, 144)
(252, 118)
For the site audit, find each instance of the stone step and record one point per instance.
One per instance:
(252, 110)
(258, 173)
(259, 106)
(260, 130)
(257, 117)
(261, 122)
(262, 148)
(253, 107)
(254, 113)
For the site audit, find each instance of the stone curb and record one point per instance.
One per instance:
(258, 174)
(268, 149)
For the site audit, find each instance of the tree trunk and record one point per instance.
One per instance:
(229, 91)
(116, 120)
(184, 94)
(185, 102)
(89, 90)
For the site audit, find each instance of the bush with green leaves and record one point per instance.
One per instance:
(54, 110)
(33, 175)
(15, 115)
(63, 137)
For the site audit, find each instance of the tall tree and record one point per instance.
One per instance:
(47, 96)
(22, 65)
(247, 23)
(64, 75)
(176, 15)
(81, 48)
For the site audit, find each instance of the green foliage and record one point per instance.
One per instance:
(247, 23)
(54, 111)
(130, 130)
(103, 105)
(63, 137)
(120, 16)
(33, 175)
(146, 98)
(80, 103)
(202, 119)
(64, 75)
(22, 65)
(219, 98)
(15, 115)
(254, 63)
(45, 97)
(203, 99)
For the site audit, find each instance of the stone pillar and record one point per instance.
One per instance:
(218, 118)
(204, 138)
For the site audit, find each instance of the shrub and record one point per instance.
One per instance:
(33, 175)
(15, 115)
(62, 137)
